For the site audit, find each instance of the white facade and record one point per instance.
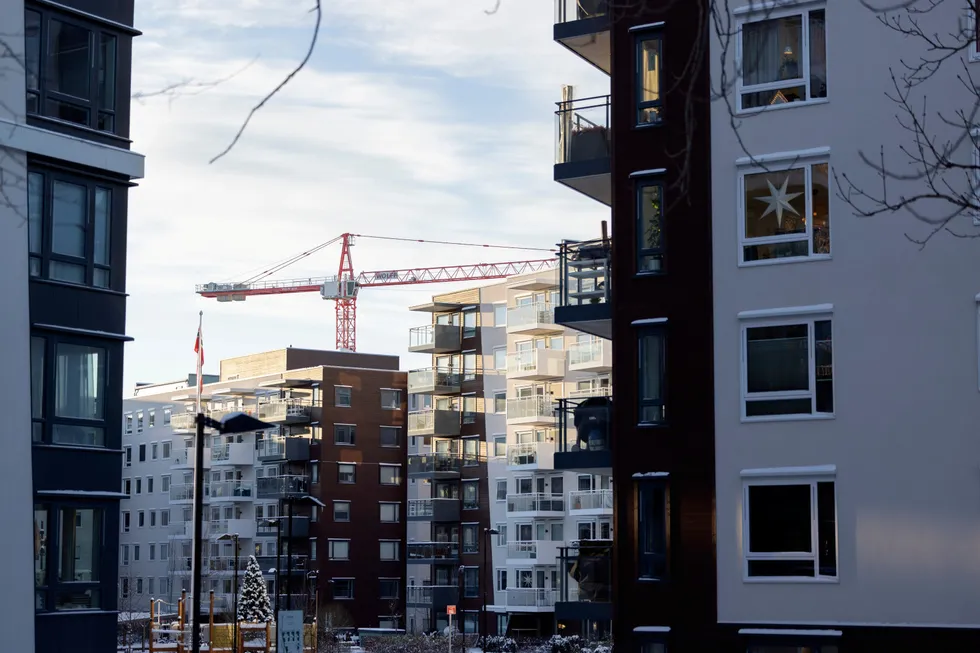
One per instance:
(896, 536)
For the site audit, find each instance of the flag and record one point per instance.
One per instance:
(199, 350)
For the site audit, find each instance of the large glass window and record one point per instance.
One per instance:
(650, 228)
(786, 213)
(471, 495)
(69, 229)
(783, 59)
(390, 474)
(471, 582)
(391, 436)
(652, 530)
(71, 70)
(71, 581)
(648, 100)
(80, 378)
(652, 356)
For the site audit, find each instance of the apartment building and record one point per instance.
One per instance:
(775, 491)
(508, 380)
(65, 172)
(347, 557)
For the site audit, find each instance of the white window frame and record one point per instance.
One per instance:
(790, 476)
(784, 162)
(785, 317)
(497, 483)
(759, 12)
(497, 350)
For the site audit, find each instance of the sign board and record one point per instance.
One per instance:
(450, 609)
(289, 631)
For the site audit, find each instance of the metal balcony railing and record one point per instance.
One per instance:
(530, 407)
(227, 563)
(281, 486)
(569, 10)
(433, 551)
(585, 571)
(590, 500)
(584, 272)
(583, 129)
(530, 314)
(535, 503)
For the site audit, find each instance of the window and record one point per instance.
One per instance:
(165, 517)
(471, 452)
(471, 495)
(390, 512)
(151, 417)
(655, 647)
(166, 450)
(501, 580)
(142, 451)
(470, 369)
(341, 396)
(167, 412)
(391, 436)
(471, 582)
(500, 315)
(153, 521)
(69, 226)
(390, 474)
(128, 454)
(788, 369)
(341, 510)
(344, 434)
(127, 486)
(124, 587)
(125, 520)
(500, 358)
(471, 622)
(129, 421)
(783, 59)
(389, 549)
(345, 473)
(153, 548)
(68, 393)
(652, 363)
(165, 483)
(499, 446)
(649, 228)
(339, 549)
(149, 485)
(74, 77)
(469, 323)
(795, 641)
(141, 518)
(389, 588)
(150, 586)
(790, 528)
(139, 485)
(500, 401)
(775, 206)
(471, 538)
(649, 107)
(501, 489)
(502, 534)
(652, 530)
(154, 450)
(139, 422)
(391, 399)
(67, 569)
(343, 588)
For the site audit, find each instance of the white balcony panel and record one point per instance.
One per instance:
(591, 356)
(536, 364)
(530, 456)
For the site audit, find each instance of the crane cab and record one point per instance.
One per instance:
(339, 289)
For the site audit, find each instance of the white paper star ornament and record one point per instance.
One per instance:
(778, 200)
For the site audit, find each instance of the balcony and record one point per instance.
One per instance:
(582, 26)
(535, 505)
(594, 356)
(531, 599)
(227, 564)
(584, 435)
(536, 364)
(433, 381)
(432, 552)
(585, 581)
(183, 458)
(232, 491)
(536, 410)
(585, 288)
(434, 339)
(285, 411)
(533, 552)
(532, 319)
(281, 487)
(582, 160)
(436, 466)
(279, 447)
(245, 528)
(437, 510)
(529, 456)
(183, 422)
(436, 597)
(300, 526)
(299, 564)
(233, 453)
(185, 529)
(590, 502)
(591, 391)
(185, 493)
(434, 422)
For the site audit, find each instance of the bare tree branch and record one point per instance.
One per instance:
(187, 87)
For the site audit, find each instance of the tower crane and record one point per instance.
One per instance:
(344, 286)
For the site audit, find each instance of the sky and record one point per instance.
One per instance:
(426, 119)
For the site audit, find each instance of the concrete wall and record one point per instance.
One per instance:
(904, 436)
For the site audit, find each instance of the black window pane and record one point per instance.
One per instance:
(818, 55)
(102, 224)
(66, 111)
(778, 358)
(652, 543)
(650, 236)
(70, 272)
(37, 377)
(651, 375)
(35, 212)
(776, 250)
(107, 72)
(824, 354)
(778, 407)
(69, 59)
(41, 533)
(80, 545)
(779, 519)
(69, 203)
(826, 529)
(32, 48)
(649, 82)
(80, 381)
(782, 568)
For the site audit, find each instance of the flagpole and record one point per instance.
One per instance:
(198, 510)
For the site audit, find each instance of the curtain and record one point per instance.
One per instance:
(763, 46)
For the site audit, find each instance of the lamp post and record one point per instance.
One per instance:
(487, 534)
(311, 578)
(231, 423)
(234, 537)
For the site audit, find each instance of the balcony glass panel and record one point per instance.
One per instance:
(582, 130)
(585, 572)
(569, 10)
(584, 272)
(583, 424)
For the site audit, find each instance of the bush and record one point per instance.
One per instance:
(500, 644)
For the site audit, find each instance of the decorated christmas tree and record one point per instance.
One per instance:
(253, 601)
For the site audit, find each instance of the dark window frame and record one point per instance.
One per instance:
(471, 590)
(43, 424)
(652, 564)
(345, 435)
(658, 331)
(391, 582)
(652, 34)
(385, 428)
(41, 255)
(462, 494)
(649, 254)
(398, 474)
(340, 480)
(96, 106)
(45, 595)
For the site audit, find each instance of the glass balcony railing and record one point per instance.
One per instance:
(570, 10)
(531, 597)
(185, 492)
(584, 424)
(591, 500)
(585, 572)
(539, 454)
(232, 490)
(584, 272)
(433, 381)
(271, 447)
(530, 315)
(434, 509)
(435, 463)
(536, 503)
(530, 408)
(583, 132)
(275, 487)
(433, 551)
(285, 410)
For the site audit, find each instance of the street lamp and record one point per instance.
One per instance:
(487, 534)
(231, 423)
(311, 577)
(234, 537)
